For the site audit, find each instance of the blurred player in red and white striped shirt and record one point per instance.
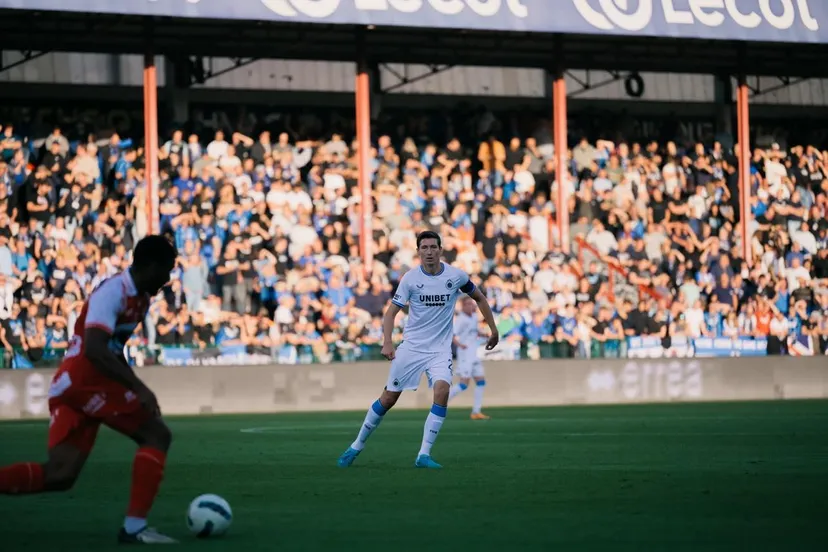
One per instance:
(94, 385)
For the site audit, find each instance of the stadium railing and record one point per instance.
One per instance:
(630, 347)
(303, 354)
(615, 270)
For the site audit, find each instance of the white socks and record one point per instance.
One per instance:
(479, 387)
(372, 420)
(433, 423)
(457, 389)
(478, 396)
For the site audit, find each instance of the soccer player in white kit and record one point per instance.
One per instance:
(466, 337)
(431, 292)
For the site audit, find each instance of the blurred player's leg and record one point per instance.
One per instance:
(154, 439)
(461, 386)
(464, 373)
(59, 473)
(71, 438)
(433, 423)
(479, 388)
(372, 420)
(26, 478)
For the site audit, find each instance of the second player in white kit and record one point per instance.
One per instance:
(430, 291)
(467, 339)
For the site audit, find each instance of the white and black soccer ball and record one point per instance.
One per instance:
(209, 516)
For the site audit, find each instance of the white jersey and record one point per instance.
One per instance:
(431, 300)
(467, 332)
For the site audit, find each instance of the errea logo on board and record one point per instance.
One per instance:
(635, 15)
(325, 8)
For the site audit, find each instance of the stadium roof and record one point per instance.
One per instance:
(793, 43)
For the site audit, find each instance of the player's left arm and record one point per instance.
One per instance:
(486, 311)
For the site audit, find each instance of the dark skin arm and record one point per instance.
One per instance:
(96, 349)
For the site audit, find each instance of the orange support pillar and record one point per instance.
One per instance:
(151, 141)
(363, 130)
(743, 133)
(559, 133)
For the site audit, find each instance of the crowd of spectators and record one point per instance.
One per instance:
(267, 227)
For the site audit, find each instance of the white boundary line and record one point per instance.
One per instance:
(339, 429)
(651, 422)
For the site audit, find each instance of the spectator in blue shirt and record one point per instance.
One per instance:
(184, 182)
(783, 296)
(795, 253)
(713, 319)
(265, 286)
(337, 293)
(124, 163)
(538, 329)
(20, 258)
(567, 323)
(725, 294)
(230, 332)
(9, 143)
(57, 338)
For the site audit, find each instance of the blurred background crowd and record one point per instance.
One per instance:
(267, 226)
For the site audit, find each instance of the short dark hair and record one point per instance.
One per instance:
(154, 249)
(429, 235)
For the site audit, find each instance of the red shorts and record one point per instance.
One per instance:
(80, 400)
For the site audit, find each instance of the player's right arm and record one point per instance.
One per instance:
(388, 330)
(101, 316)
(97, 351)
(397, 304)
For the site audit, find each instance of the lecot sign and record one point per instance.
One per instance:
(779, 14)
(325, 8)
(789, 21)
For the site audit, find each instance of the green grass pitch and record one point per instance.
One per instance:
(700, 477)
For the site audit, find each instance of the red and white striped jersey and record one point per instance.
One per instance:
(115, 307)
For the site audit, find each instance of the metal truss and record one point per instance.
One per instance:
(588, 84)
(405, 78)
(784, 82)
(200, 72)
(28, 55)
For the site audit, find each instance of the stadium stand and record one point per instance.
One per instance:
(266, 226)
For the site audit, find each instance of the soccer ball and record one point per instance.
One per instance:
(209, 516)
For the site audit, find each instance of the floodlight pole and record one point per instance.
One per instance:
(363, 131)
(559, 133)
(151, 140)
(743, 133)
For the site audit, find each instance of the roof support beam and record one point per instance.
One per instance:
(28, 55)
(405, 79)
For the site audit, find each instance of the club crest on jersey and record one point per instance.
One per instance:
(449, 284)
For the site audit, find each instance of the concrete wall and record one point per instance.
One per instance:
(280, 388)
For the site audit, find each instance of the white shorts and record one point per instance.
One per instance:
(408, 367)
(469, 367)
